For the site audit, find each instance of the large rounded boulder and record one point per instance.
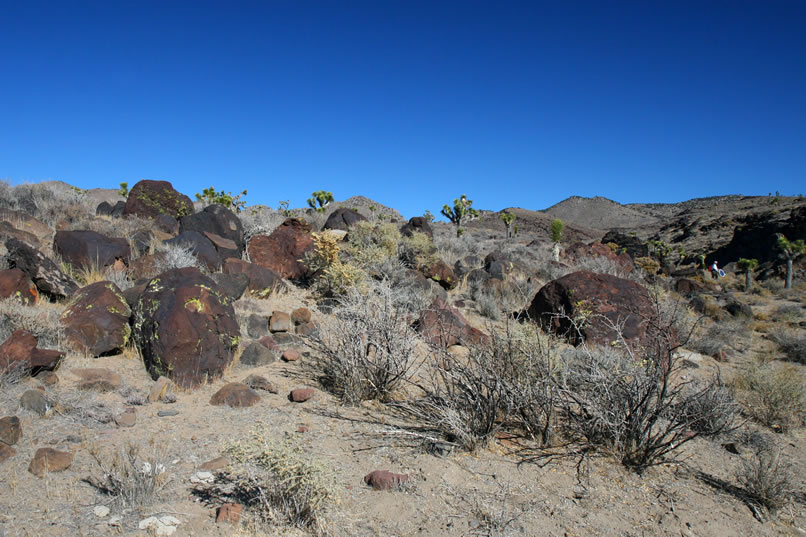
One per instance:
(150, 199)
(47, 277)
(96, 320)
(90, 248)
(343, 219)
(216, 220)
(184, 328)
(597, 303)
(283, 250)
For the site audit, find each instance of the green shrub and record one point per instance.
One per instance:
(418, 250)
(227, 199)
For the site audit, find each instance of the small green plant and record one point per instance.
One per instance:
(508, 218)
(557, 227)
(284, 208)
(227, 199)
(461, 211)
(319, 200)
(124, 190)
(790, 250)
(747, 266)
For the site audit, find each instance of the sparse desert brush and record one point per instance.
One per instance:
(773, 394)
(260, 220)
(176, 256)
(789, 313)
(332, 275)
(70, 206)
(133, 477)
(768, 479)
(369, 244)
(417, 250)
(277, 480)
(793, 342)
(451, 248)
(648, 265)
(366, 349)
(715, 336)
(41, 320)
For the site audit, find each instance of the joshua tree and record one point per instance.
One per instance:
(124, 190)
(748, 266)
(508, 218)
(462, 209)
(790, 250)
(321, 198)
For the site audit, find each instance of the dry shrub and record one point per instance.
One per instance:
(767, 479)
(174, 256)
(49, 203)
(417, 250)
(366, 349)
(772, 394)
(260, 220)
(41, 320)
(334, 277)
(368, 245)
(278, 480)
(792, 342)
(133, 479)
(717, 335)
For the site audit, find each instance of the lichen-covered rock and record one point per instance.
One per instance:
(283, 250)
(87, 248)
(150, 199)
(604, 301)
(184, 328)
(15, 283)
(442, 273)
(96, 320)
(47, 277)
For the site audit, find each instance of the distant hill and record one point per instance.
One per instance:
(601, 213)
(534, 223)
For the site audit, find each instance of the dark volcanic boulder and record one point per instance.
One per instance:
(754, 236)
(7, 230)
(262, 281)
(225, 247)
(633, 246)
(184, 329)
(43, 272)
(343, 219)
(218, 220)
(442, 273)
(90, 249)
(417, 224)
(97, 319)
(201, 246)
(603, 299)
(231, 285)
(20, 350)
(15, 283)
(107, 209)
(149, 199)
(443, 325)
(284, 248)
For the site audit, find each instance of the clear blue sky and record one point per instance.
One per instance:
(409, 103)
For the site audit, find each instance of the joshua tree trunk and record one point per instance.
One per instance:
(747, 281)
(509, 231)
(788, 273)
(556, 251)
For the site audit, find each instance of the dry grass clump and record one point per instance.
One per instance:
(67, 205)
(174, 256)
(41, 320)
(260, 220)
(718, 335)
(792, 342)
(133, 479)
(767, 479)
(773, 394)
(417, 250)
(278, 480)
(367, 348)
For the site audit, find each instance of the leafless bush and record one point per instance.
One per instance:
(767, 479)
(132, 479)
(773, 395)
(366, 348)
(487, 306)
(718, 335)
(11, 385)
(176, 256)
(82, 407)
(260, 220)
(604, 265)
(279, 478)
(789, 313)
(452, 249)
(41, 320)
(792, 342)
(50, 203)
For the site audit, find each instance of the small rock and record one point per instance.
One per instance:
(280, 322)
(98, 379)
(229, 512)
(115, 521)
(256, 354)
(235, 395)
(101, 511)
(291, 355)
(48, 378)
(731, 447)
(385, 480)
(158, 525)
(307, 329)
(300, 395)
(301, 316)
(302, 429)
(6, 452)
(218, 463)
(35, 401)
(10, 430)
(159, 389)
(256, 326)
(202, 477)
(48, 460)
(256, 382)
(127, 418)
(167, 413)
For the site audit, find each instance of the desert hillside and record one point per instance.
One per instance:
(180, 366)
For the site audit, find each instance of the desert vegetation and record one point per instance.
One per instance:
(333, 370)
